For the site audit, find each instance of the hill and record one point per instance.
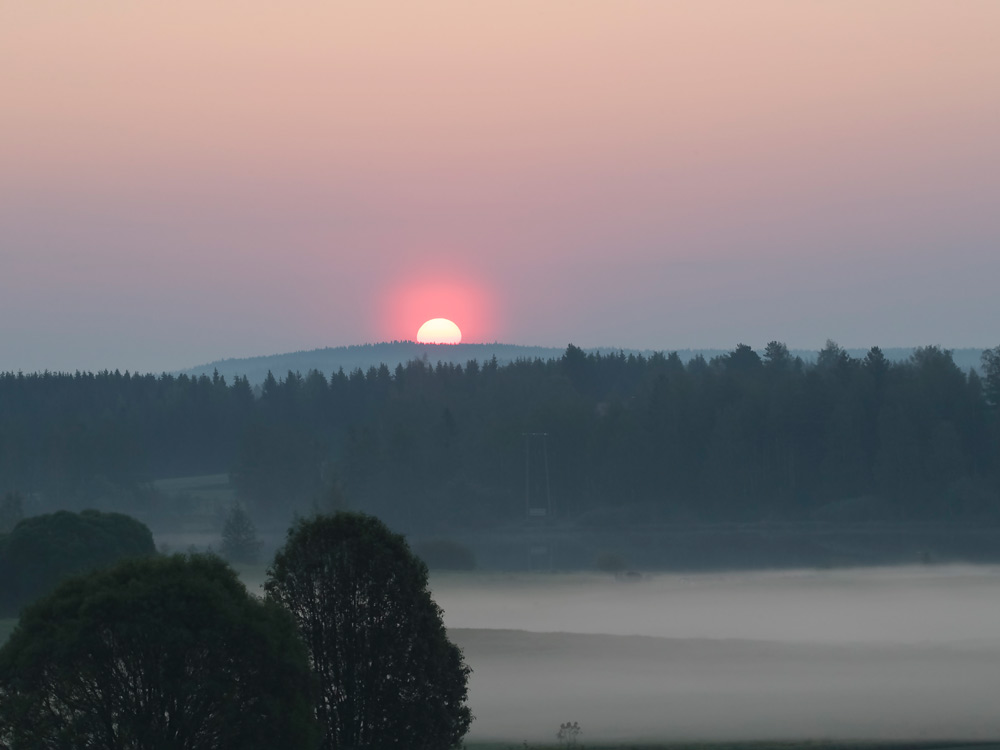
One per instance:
(363, 356)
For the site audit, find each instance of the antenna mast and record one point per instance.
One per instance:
(536, 511)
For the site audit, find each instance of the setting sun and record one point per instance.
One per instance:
(439, 331)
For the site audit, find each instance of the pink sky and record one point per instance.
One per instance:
(192, 181)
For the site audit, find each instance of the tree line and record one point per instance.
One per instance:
(741, 436)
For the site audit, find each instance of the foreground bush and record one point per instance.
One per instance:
(43, 550)
(155, 653)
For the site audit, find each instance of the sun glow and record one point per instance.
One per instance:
(439, 331)
(416, 296)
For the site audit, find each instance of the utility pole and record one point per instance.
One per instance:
(536, 511)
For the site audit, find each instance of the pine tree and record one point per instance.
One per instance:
(240, 543)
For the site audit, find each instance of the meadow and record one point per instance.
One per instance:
(852, 655)
(884, 654)
(846, 659)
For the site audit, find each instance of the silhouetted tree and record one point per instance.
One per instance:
(240, 543)
(42, 550)
(742, 359)
(389, 677)
(776, 354)
(155, 653)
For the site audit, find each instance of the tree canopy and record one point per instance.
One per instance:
(168, 652)
(389, 677)
(42, 550)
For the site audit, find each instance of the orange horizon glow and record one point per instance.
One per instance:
(410, 303)
(641, 174)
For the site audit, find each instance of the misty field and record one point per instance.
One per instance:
(875, 654)
(846, 659)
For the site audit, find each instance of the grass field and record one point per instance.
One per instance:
(7, 625)
(875, 659)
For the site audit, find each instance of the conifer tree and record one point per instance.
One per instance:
(240, 543)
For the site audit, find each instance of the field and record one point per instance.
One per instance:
(869, 659)
(886, 654)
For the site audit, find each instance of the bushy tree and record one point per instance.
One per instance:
(167, 652)
(240, 543)
(388, 675)
(42, 550)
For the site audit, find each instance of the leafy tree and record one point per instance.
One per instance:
(240, 543)
(11, 511)
(42, 550)
(389, 677)
(167, 652)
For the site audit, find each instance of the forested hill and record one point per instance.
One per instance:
(330, 359)
(739, 437)
(363, 356)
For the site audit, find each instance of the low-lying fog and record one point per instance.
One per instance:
(911, 653)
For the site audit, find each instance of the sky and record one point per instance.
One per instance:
(186, 181)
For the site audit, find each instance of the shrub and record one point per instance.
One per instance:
(153, 653)
(43, 550)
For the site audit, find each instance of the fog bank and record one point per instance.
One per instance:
(919, 604)
(903, 653)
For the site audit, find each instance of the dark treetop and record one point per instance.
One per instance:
(155, 654)
(389, 677)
